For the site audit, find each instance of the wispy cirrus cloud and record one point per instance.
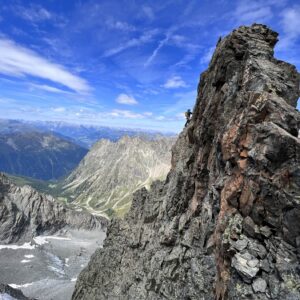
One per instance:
(120, 25)
(134, 42)
(160, 45)
(48, 88)
(174, 83)
(127, 114)
(126, 99)
(33, 13)
(18, 61)
(247, 12)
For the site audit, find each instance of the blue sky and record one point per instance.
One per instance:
(121, 63)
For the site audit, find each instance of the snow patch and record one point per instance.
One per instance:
(16, 247)
(56, 264)
(24, 261)
(66, 262)
(73, 279)
(41, 240)
(29, 256)
(19, 286)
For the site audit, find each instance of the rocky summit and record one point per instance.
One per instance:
(226, 222)
(25, 213)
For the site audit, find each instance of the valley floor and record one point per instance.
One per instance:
(48, 266)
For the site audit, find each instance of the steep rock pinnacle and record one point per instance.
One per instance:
(226, 222)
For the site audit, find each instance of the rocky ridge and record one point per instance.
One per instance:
(108, 175)
(9, 293)
(37, 154)
(226, 222)
(25, 213)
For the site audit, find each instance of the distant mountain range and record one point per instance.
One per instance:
(106, 178)
(101, 180)
(38, 154)
(86, 136)
(108, 175)
(51, 150)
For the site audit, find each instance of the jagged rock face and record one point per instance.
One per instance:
(111, 172)
(226, 222)
(24, 213)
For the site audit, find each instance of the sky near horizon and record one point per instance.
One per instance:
(133, 64)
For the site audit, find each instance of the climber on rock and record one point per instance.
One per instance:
(187, 114)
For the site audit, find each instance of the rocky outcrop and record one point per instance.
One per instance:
(111, 172)
(226, 222)
(24, 213)
(9, 293)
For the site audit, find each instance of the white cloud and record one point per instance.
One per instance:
(290, 21)
(17, 61)
(119, 25)
(174, 83)
(126, 99)
(148, 113)
(59, 109)
(126, 114)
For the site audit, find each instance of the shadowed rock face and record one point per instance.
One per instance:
(7, 292)
(226, 222)
(24, 213)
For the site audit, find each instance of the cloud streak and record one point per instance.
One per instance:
(125, 114)
(134, 42)
(48, 88)
(19, 61)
